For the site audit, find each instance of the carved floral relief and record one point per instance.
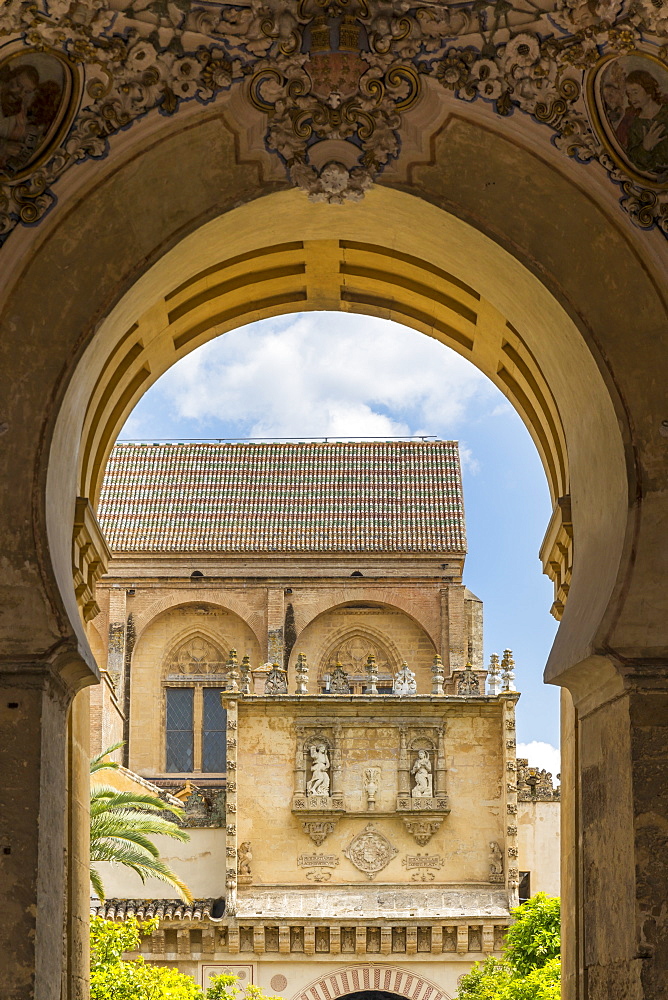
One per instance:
(333, 83)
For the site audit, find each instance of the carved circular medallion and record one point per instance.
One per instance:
(278, 982)
(370, 851)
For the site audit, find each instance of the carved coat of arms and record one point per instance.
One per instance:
(370, 851)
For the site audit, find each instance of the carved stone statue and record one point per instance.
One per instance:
(421, 771)
(245, 858)
(496, 861)
(318, 784)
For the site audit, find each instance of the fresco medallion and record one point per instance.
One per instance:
(628, 99)
(37, 98)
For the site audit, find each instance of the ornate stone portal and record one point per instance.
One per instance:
(332, 88)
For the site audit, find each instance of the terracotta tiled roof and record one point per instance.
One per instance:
(146, 909)
(310, 497)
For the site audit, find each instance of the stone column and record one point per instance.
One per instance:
(439, 775)
(231, 706)
(336, 768)
(615, 879)
(300, 763)
(42, 806)
(404, 766)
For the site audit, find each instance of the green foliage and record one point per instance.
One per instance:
(534, 939)
(112, 978)
(227, 988)
(121, 825)
(531, 966)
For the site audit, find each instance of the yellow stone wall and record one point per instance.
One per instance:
(369, 737)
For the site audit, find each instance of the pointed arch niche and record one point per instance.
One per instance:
(347, 634)
(185, 647)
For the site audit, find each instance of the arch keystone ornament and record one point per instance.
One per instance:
(370, 851)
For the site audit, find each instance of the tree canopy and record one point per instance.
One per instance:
(531, 966)
(114, 978)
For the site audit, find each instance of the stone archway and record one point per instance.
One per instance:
(575, 344)
(387, 980)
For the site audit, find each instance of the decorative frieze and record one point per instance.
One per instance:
(333, 98)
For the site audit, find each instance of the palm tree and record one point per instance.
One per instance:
(121, 824)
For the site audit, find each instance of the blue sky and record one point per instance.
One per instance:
(342, 375)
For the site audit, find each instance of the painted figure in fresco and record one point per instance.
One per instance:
(27, 109)
(647, 140)
(422, 789)
(619, 113)
(319, 780)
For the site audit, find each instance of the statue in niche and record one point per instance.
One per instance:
(318, 783)
(421, 770)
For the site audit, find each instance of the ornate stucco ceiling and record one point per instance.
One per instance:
(331, 85)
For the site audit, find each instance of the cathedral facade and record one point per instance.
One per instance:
(308, 682)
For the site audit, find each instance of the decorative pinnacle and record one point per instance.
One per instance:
(372, 673)
(494, 675)
(301, 672)
(233, 670)
(437, 675)
(246, 675)
(508, 671)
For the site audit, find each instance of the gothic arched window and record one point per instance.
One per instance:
(195, 721)
(351, 654)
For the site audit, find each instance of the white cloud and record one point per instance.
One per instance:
(542, 755)
(324, 374)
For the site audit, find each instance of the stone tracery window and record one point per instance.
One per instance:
(196, 655)
(351, 654)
